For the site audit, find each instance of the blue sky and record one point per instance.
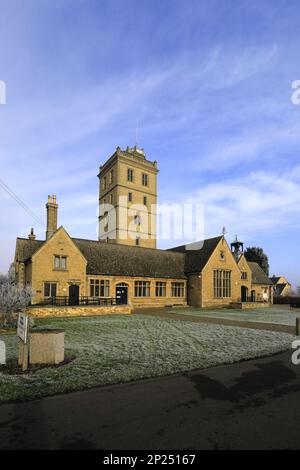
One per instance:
(209, 82)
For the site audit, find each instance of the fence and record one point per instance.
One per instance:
(62, 301)
(288, 300)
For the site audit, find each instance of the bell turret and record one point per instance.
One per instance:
(237, 248)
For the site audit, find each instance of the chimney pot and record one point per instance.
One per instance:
(31, 236)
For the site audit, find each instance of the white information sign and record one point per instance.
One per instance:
(22, 330)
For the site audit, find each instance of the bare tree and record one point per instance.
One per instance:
(12, 274)
(3, 279)
(13, 298)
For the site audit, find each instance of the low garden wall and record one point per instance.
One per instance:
(249, 305)
(77, 311)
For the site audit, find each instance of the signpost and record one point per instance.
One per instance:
(22, 332)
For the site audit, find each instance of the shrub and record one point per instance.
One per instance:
(12, 300)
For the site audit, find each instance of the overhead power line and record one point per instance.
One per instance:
(10, 192)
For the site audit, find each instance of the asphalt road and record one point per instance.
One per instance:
(249, 405)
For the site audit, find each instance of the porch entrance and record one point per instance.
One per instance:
(122, 294)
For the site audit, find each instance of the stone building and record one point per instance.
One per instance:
(130, 268)
(127, 184)
(281, 286)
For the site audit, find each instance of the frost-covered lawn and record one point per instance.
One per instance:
(276, 315)
(115, 349)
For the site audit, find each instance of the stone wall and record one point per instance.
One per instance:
(249, 305)
(78, 311)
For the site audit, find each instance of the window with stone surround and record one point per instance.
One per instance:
(177, 289)
(142, 288)
(222, 283)
(145, 179)
(50, 289)
(99, 288)
(160, 289)
(60, 262)
(130, 175)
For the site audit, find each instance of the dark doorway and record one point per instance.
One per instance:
(74, 295)
(121, 294)
(244, 293)
(253, 296)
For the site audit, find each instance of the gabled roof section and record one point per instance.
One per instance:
(26, 248)
(274, 279)
(61, 229)
(195, 257)
(258, 274)
(279, 288)
(113, 259)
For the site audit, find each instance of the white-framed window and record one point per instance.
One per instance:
(99, 287)
(60, 262)
(50, 289)
(142, 288)
(160, 289)
(177, 289)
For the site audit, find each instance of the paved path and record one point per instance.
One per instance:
(166, 313)
(252, 404)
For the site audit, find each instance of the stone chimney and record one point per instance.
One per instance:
(31, 236)
(51, 216)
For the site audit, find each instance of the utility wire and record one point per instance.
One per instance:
(21, 203)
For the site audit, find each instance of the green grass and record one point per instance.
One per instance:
(276, 315)
(114, 349)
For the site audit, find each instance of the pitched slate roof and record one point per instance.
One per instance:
(197, 254)
(258, 274)
(274, 279)
(279, 288)
(115, 259)
(25, 248)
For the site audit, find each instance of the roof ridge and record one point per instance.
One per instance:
(123, 245)
(29, 240)
(197, 241)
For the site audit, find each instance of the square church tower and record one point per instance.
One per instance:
(128, 198)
